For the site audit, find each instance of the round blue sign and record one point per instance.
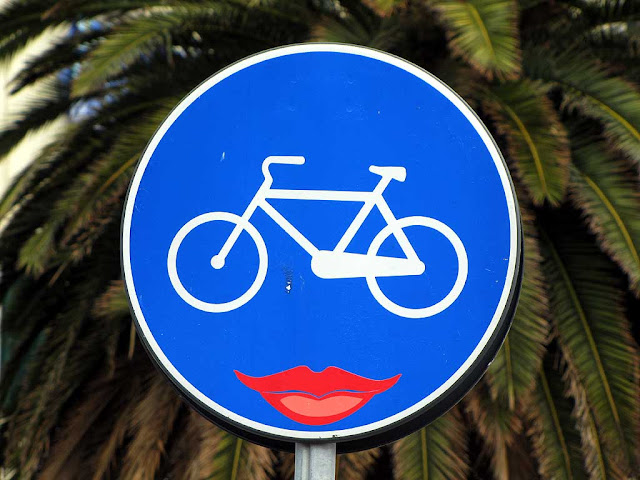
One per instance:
(322, 242)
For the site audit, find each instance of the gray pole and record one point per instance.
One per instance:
(315, 461)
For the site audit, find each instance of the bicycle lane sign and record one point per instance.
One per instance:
(322, 242)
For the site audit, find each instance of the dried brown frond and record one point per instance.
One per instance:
(152, 423)
(496, 424)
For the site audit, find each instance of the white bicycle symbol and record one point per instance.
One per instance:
(327, 264)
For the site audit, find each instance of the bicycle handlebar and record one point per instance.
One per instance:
(280, 159)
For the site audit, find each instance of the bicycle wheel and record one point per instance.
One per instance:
(189, 227)
(461, 278)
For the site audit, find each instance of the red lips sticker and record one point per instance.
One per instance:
(316, 398)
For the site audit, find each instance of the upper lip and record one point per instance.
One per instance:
(318, 384)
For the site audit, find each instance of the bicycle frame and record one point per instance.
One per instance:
(369, 199)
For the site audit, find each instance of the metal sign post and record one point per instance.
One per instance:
(322, 247)
(315, 461)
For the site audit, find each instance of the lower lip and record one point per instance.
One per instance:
(311, 410)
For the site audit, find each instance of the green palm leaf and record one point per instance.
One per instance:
(24, 312)
(536, 139)
(586, 303)
(603, 186)
(599, 460)
(65, 363)
(497, 425)
(70, 150)
(556, 440)
(437, 451)
(142, 34)
(484, 32)
(106, 178)
(22, 21)
(589, 88)
(227, 457)
(604, 12)
(512, 374)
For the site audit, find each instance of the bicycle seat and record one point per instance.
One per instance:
(397, 173)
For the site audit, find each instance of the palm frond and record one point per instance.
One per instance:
(351, 22)
(113, 303)
(605, 11)
(464, 80)
(19, 23)
(112, 308)
(143, 34)
(359, 25)
(497, 425)
(78, 424)
(227, 457)
(356, 465)
(64, 365)
(182, 461)
(511, 376)
(152, 423)
(341, 31)
(384, 7)
(589, 88)
(537, 141)
(593, 333)
(285, 465)
(51, 102)
(24, 311)
(215, 454)
(485, 33)
(521, 459)
(604, 187)
(599, 462)
(107, 176)
(22, 21)
(103, 458)
(70, 150)
(437, 451)
(66, 353)
(555, 438)
(56, 59)
(617, 43)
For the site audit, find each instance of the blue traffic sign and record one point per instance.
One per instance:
(322, 242)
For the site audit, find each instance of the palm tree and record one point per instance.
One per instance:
(556, 82)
